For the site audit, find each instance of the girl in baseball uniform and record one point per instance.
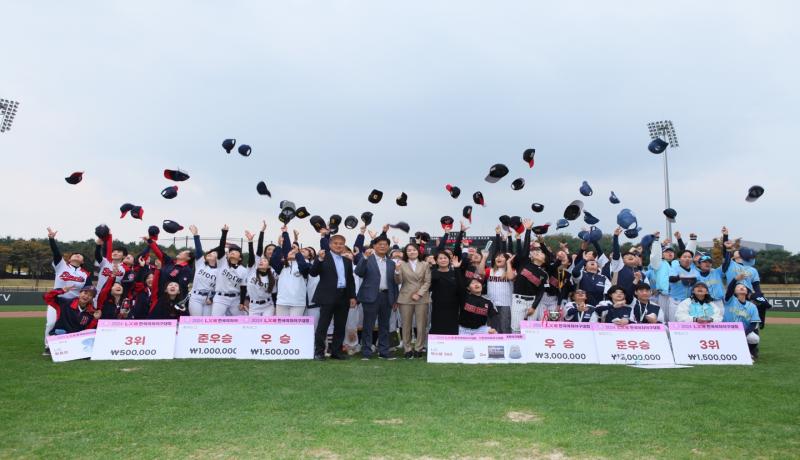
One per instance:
(292, 269)
(231, 283)
(205, 278)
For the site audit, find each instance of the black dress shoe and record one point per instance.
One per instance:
(387, 357)
(418, 354)
(409, 354)
(319, 357)
(340, 357)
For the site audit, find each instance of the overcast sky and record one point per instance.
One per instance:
(339, 97)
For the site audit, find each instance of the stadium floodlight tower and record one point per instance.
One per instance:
(8, 109)
(665, 131)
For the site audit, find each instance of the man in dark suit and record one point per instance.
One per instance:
(336, 292)
(377, 294)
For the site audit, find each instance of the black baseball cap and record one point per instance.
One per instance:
(366, 217)
(375, 196)
(228, 144)
(74, 178)
(170, 226)
(176, 175)
(170, 192)
(527, 156)
(496, 172)
(454, 191)
(402, 200)
(401, 226)
(301, 212)
(318, 223)
(262, 189)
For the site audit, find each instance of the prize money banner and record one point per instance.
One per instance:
(119, 339)
(632, 344)
(559, 342)
(711, 343)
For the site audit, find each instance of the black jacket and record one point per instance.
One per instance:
(326, 292)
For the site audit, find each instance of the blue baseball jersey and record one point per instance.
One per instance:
(659, 279)
(716, 285)
(744, 313)
(735, 268)
(682, 289)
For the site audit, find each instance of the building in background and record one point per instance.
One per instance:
(754, 245)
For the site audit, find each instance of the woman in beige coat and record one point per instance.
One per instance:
(414, 277)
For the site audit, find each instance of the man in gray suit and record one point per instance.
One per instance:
(377, 295)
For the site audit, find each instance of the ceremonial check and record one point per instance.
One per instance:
(632, 344)
(559, 342)
(712, 343)
(476, 349)
(134, 339)
(69, 347)
(209, 336)
(277, 337)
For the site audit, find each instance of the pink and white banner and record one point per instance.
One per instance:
(632, 344)
(69, 347)
(476, 349)
(559, 342)
(209, 336)
(712, 343)
(134, 339)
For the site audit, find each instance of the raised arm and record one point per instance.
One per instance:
(656, 253)
(251, 254)
(731, 288)
(51, 237)
(615, 252)
(98, 251)
(679, 240)
(222, 239)
(198, 246)
(442, 243)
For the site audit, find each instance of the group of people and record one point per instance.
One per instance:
(425, 287)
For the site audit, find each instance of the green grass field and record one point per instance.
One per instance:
(400, 409)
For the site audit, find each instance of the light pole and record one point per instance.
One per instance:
(665, 131)
(8, 109)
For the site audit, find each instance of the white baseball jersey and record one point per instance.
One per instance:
(205, 277)
(230, 279)
(67, 275)
(107, 271)
(292, 287)
(258, 285)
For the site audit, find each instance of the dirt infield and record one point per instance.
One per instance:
(40, 314)
(22, 314)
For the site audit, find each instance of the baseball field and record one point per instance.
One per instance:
(398, 409)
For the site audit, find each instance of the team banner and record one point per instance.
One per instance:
(134, 339)
(559, 342)
(712, 343)
(476, 349)
(632, 344)
(277, 337)
(69, 347)
(209, 336)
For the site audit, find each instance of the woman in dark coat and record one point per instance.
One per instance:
(447, 292)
